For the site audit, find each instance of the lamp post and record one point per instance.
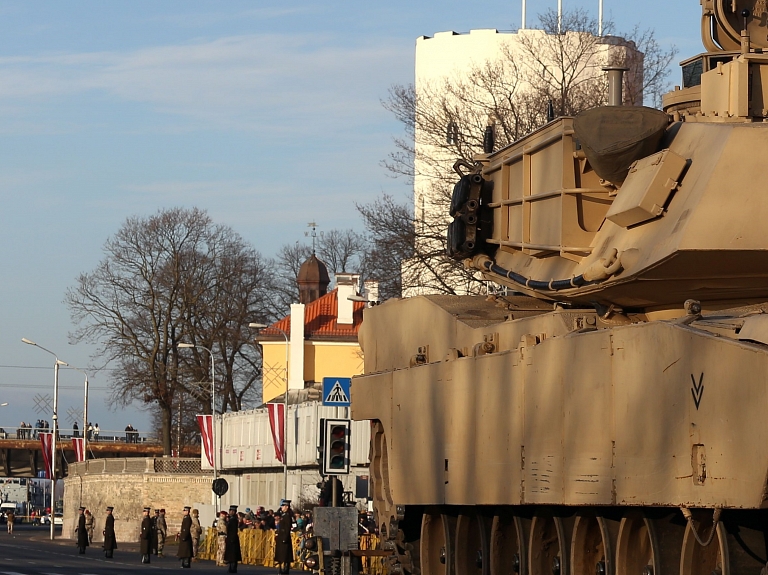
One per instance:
(55, 418)
(85, 413)
(285, 406)
(213, 412)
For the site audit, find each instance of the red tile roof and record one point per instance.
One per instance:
(320, 321)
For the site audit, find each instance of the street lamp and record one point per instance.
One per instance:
(285, 406)
(85, 413)
(213, 412)
(55, 418)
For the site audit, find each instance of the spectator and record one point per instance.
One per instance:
(75, 430)
(90, 430)
(96, 432)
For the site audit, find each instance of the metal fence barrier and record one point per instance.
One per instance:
(180, 465)
(258, 548)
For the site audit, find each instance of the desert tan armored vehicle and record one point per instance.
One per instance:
(613, 419)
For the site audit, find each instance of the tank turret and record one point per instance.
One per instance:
(636, 207)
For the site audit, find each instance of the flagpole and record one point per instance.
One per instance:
(285, 423)
(85, 413)
(53, 445)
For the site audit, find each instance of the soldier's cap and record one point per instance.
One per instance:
(81, 508)
(162, 511)
(285, 502)
(147, 509)
(110, 508)
(187, 508)
(157, 512)
(233, 507)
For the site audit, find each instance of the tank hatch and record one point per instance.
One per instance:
(723, 21)
(614, 137)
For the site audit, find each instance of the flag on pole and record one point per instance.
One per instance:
(46, 441)
(78, 444)
(206, 436)
(277, 424)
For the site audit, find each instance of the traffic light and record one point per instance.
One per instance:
(335, 446)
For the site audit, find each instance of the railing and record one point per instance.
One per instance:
(104, 435)
(180, 465)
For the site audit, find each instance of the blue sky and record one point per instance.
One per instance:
(265, 114)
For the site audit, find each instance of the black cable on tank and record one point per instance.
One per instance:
(554, 285)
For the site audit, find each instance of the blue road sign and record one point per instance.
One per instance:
(336, 391)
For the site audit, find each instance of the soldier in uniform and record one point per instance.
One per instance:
(162, 532)
(145, 537)
(221, 538)
(110, 541)
(82, 532)
(185, 540)
(89, 525)
(232, 546)
(154, 532)
(283, 543)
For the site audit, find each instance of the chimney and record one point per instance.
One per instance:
(371, 290)
(296, 349)
(346, 287)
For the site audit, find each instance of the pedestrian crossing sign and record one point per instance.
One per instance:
(336, 391)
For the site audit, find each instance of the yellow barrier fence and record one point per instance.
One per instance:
(258, 548)
(371, 565)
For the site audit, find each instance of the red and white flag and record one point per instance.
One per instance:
(206, 436)
(277, 424)
(46, 441)
(78, 444)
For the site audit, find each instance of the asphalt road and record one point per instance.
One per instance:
(29, 551)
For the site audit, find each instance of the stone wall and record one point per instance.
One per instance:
(129, 485)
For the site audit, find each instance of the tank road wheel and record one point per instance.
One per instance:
(591, 550)
(471, 549)
(547, 548)
(437, 536)
(710, 560)
(637, 551)
(508, 546)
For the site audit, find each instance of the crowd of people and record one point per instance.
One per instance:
(227, 526)
(92, 431)
(25, 430)
(301, 521)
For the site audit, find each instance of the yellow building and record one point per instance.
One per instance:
(319, 335)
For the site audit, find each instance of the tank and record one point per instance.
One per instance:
(607, 415)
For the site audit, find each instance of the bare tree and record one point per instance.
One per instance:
(341, 250)
(148, 294)
(238, 284)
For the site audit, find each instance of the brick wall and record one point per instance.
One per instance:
(129, 492)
